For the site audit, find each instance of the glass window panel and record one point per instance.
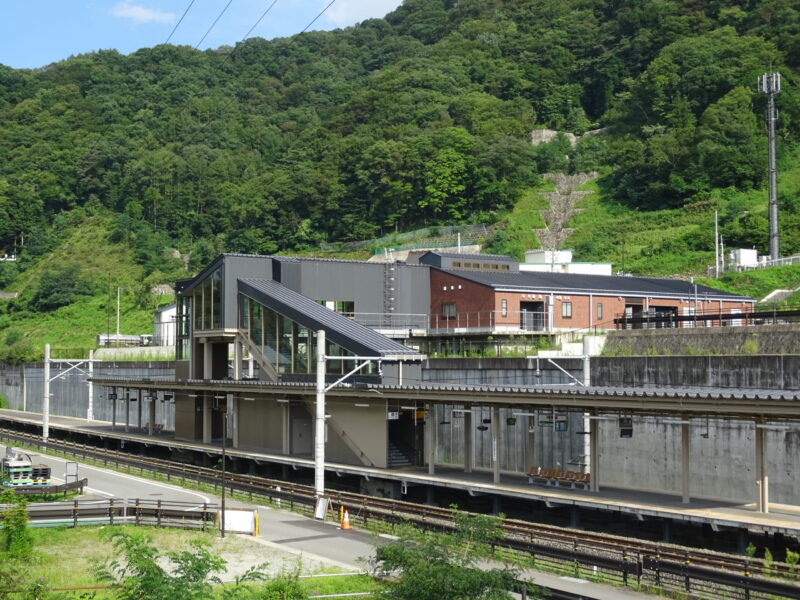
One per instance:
(206, 291)
(285, 344)
(216, 299)
(244, 312)
(257, 327)
(197, 300)
(333, 367)
(270, 346)
(301, 356)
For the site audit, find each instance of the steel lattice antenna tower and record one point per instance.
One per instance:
(770, 84)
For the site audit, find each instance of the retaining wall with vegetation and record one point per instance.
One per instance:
(783, 338)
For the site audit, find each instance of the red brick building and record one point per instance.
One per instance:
(487, 293)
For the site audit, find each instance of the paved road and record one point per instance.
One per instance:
(104, 483)
(290, 532)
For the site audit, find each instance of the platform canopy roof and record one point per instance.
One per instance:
(339, 329)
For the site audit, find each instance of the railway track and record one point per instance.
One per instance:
(519, 535)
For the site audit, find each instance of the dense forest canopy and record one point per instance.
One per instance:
(421, 117)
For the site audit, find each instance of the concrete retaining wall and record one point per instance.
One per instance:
(776, 372)
(722, 466)
(761, 339)
(501, 371)
(23, 388)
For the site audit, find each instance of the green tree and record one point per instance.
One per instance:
(59, 287)
(17, 539)
(143, 572)
(439, 567)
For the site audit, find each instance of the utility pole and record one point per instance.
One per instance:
(46, 395)
(770, 84)
(716, 244)
(118, 290)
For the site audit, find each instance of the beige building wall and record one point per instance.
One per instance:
(366, 428)
(261, 424)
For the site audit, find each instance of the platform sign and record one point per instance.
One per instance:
(112, 396)
(559, 423)
(321, 508)
(393, 415)
(240, 520)
(71, 473)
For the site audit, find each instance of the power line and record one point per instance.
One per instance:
(264, 14)
(315, 18)
(174, 29)
(219, 16)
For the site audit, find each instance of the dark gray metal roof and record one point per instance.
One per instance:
(709, 393)
(594, 284)
(341, 330)
(492, 257)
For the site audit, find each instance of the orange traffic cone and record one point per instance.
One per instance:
(346, 520)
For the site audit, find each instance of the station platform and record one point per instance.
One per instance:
(642, 505)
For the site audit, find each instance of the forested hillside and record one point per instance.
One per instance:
(420, 117)
(423, 117)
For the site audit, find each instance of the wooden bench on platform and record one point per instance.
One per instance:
(558, 478)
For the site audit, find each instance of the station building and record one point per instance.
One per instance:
(491, 294)
(264, 312)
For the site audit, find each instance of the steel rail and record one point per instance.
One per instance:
(424, 515)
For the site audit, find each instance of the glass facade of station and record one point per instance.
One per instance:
(183, 343)
(207, 308)
(287, 345)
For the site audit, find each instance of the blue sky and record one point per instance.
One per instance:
(35, 33)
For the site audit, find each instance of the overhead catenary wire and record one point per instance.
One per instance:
(183, 16)
(314, 20)
(219, 16)
(256, 24)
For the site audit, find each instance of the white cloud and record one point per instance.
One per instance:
(140, 14)
(354, 11)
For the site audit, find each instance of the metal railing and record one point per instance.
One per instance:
(709, 318)
(487, 320)
(390, 320)
(493, 320)
(628, 562)
(111, 511)
(763, 264)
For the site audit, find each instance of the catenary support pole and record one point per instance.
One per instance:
(319, 429)
(762, 479)
(151, 414)
(90, 407)
(237, 360)
(207, 432)
(430, 438)
(46, 396)
(114, 409)
(594, 459)
(140, 401)
(496, 445)
(685, 461)
(468, 433)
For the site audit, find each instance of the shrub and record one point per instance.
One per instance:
(59, 288)
(17, 539)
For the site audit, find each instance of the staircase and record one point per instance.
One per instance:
(397, 457)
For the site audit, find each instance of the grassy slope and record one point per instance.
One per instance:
(635, 241)
(67, 557)
(653, 242)
(74, 328)
(759, 282)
